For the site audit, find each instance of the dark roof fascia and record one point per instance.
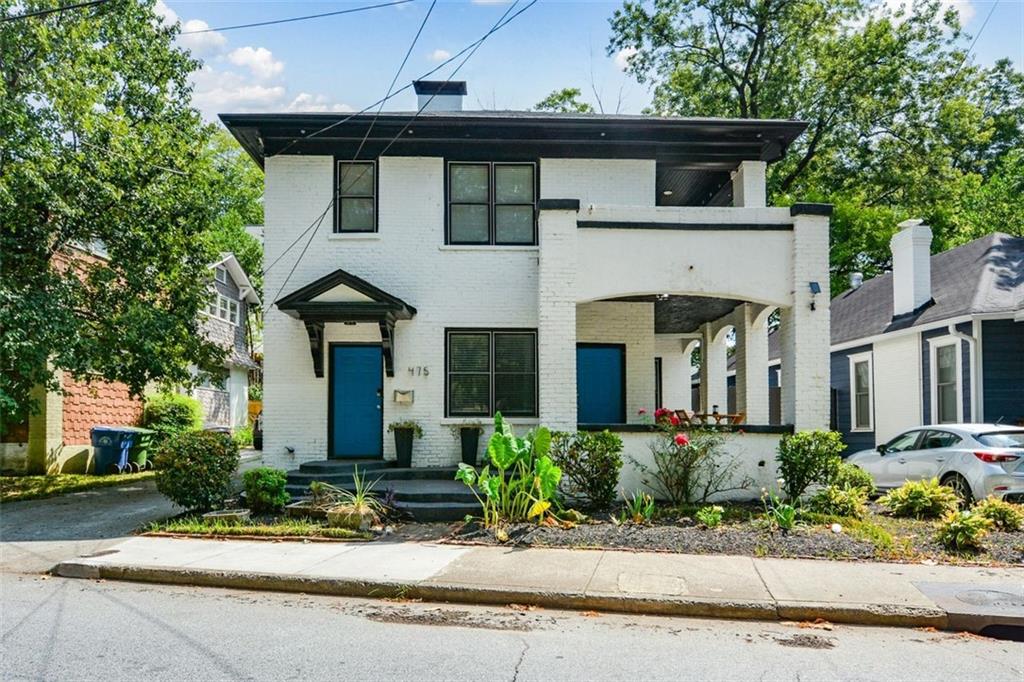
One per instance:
(711, 143)
(341, 278)
(337, 311)
(439, 87)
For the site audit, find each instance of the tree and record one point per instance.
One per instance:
(239, 203)
(566, 100)
(102, 153)
(900, 123)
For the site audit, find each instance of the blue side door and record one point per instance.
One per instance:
(356, 401)
(600, 384)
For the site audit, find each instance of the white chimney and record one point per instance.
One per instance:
(856, 279)
(911, 266)
(439, 95)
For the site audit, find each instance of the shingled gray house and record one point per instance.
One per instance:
(938, 340)
(224, 398)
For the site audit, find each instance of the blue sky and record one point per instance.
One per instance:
(346, 62)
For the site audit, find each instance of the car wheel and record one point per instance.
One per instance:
(961, 487)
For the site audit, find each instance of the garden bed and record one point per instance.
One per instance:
(743, 532)
(256, 528)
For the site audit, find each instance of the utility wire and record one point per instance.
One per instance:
(53, 10)
(402, 89)
(272, 22)
(501, 23)
(975, 41)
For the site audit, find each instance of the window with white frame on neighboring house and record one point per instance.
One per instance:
(224, 308)
(861, 407)
(490, 371)
(492, 203)
(356, 198)
(947, 384)
(220, 274)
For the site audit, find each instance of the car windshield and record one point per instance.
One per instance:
(1002, 439)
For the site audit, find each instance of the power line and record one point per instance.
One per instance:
(272, 22)
(975, 41)
(53, 10)
(426, 75)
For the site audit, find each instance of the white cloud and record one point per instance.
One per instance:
(168, 17)
(259, 60)
(201, 44)
(439, 55)
(307, 102)
(623, 56)
(965, 8)
(221, 91)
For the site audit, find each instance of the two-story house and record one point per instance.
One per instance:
(444, 265)
(225, 397)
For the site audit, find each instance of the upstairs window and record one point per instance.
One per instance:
(492, 203)
(224, 308)
(221, 275)
(356, 201)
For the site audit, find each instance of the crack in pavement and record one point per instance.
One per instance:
(519, 663)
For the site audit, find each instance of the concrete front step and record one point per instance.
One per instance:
(341, 466)
(301, 477)
(409, 491)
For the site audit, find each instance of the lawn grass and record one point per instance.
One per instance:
(16, 488)
(279, 528)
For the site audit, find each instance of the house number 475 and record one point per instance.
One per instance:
(419, 371)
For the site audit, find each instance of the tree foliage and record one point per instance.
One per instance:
(102, 153)
(566, 100)
(900, 122)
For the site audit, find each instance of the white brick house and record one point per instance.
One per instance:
(621, 241)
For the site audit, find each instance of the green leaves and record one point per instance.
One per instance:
(547, 476)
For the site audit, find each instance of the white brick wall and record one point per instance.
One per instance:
(624, 182)
(633, 325)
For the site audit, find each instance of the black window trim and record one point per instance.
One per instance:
(490, 331)
(491, 204)
(337, 195)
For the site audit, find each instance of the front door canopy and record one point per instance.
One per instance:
(343, 297)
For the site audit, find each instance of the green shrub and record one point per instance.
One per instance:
(172, 413)
(639, 508)
(778, 515)
(709, 517)
(1004, 515)
(194, 469)
(836, 501)
(807, 457)
(590, 462)
(690, 467)
(852, 476)
(920, 499)
(962, 530)
(255, 391)
(242, 437)
(264, 489)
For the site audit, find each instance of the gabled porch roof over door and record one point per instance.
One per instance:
(343, 297)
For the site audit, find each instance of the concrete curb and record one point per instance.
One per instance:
(861, 614)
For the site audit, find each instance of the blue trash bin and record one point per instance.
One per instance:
(110, 449)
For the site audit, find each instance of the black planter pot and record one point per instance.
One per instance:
(470, 444)
(403, 447)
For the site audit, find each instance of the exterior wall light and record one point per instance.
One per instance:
(815, 290)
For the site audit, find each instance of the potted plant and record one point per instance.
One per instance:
(404, 433)
(358, 509)
(469, 436)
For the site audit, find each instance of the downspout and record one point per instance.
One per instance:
(972, 346)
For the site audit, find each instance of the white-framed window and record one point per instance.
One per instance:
(862, 395)
(945, 380)
(224, 308)
(220, 273)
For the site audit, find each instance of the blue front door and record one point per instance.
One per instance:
(600, 384)
(356, 401)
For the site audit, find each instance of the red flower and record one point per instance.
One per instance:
(660, 412)
(682, 440)
(674, 419)
(641, 411)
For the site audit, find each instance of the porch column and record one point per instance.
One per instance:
(804, 328)
(676, 372)
(748, 185)
(556, 313)
(752, 361)
(713, 360)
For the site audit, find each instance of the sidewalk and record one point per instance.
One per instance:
(665, 584)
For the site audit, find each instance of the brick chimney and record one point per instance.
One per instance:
(911, 267)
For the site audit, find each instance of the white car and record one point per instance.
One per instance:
(976, 460)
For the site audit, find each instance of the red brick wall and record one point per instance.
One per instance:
(96, 403)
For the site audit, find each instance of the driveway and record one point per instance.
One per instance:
(35, 535)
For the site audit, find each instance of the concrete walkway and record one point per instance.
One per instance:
(666, 584)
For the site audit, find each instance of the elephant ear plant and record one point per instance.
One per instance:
(524, 483)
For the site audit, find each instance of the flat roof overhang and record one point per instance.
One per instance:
(714, 144)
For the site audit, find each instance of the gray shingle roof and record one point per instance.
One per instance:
(982, 276)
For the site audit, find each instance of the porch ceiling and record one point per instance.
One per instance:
(684, 314)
